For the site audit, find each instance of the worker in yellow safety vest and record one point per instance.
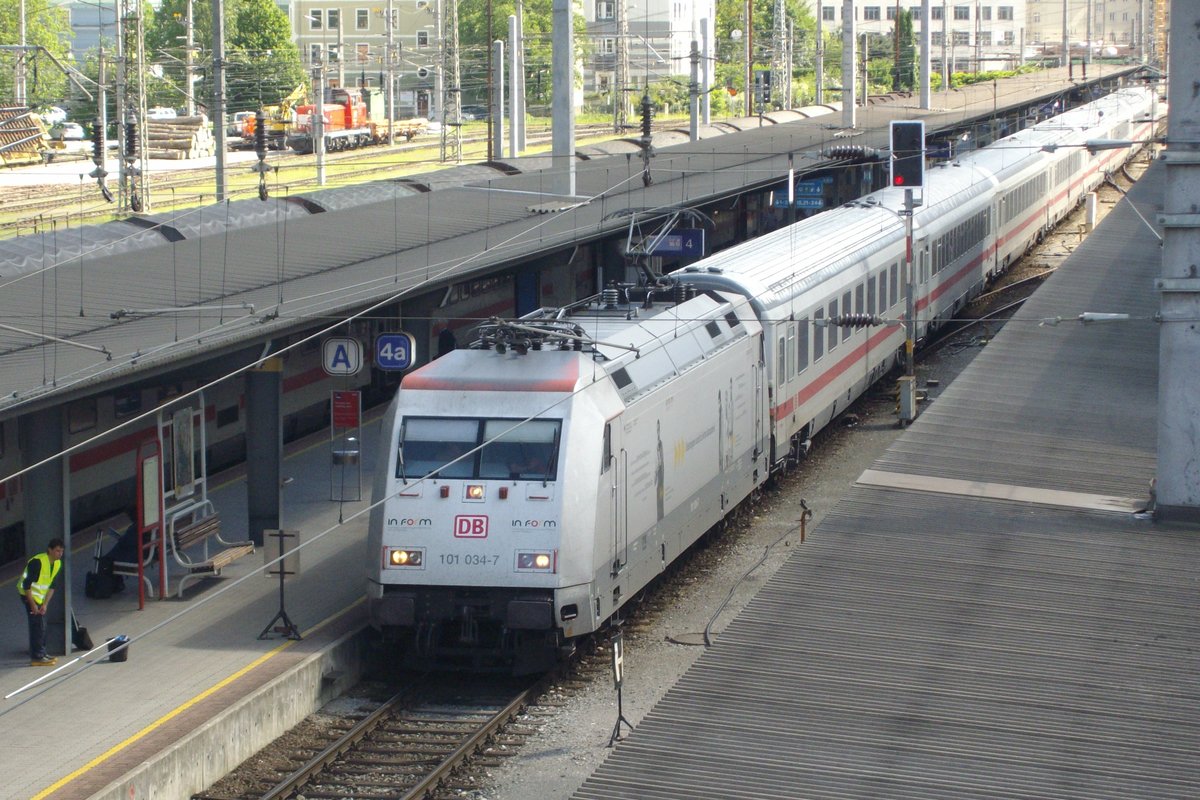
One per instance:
(36, 587)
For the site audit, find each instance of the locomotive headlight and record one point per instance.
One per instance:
(404, 557)
(533, 561)
(474, 491)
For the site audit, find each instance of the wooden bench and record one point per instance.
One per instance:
(197, 533)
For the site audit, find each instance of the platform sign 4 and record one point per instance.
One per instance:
(341, 356)
(394, 351)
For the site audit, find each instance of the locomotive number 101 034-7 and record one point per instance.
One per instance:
(468, 559)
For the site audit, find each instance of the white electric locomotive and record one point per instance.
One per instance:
(533, 484)
(536, 484)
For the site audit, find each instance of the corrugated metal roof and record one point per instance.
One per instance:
(293, 266)
(932, 645)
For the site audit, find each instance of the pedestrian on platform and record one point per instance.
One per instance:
(36, 587)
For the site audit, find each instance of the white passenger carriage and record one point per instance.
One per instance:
(978, 213)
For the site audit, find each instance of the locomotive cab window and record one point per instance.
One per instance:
(520, 451)
(429, 445)
(512, 450)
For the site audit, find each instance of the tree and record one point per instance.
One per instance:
(906, 67)
(46, 25)
(262, 64)
(730, 52)
(537, 18)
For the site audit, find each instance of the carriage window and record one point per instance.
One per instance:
(802, 346)
(846, 310)
(893, 292)
(833, 331)
(818, 335)
(871, 295)
(126, 403)
(858, 299)
(81, 415)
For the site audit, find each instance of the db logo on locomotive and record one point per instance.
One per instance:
(470, 526)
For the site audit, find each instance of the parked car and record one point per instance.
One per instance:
(236, 120)
(470, 113)
(54, 115)
(67, 131)
(159, 112)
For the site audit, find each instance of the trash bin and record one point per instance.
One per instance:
(113, 644)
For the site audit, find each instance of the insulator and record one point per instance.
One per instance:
(98, 142)
(679, 293)
(854, 320)
(647, 116)
(260, 134)
(131, 137)
(610, 297)
(852, 152)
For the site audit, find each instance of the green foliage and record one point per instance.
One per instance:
(906, 71)
(731, 53)
(537, 23)
(262, 64)
(46, 25)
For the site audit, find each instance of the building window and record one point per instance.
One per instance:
(915, 11)
(333, 19)
(363, 52)
(962, 12)
(315, 15)
(605, 9)
(935, 13)
(985, 39)
(314, 54)
(608, 46)
(985, 13)
(1004, 13)
(871, 13)
(891, 12)
(422, 38)
(935, 37)
(827, 13)
(1009, 38)
(960, 37)
(362, 19)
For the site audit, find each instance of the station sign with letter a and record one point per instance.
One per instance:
(341, 355)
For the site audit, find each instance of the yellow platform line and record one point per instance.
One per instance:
(158, 723)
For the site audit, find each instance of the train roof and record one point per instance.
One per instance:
(781, 265)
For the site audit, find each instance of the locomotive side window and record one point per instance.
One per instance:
(427, 444)
(607, 454)
(520, 451)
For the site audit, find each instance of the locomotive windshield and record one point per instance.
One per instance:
(511, 449)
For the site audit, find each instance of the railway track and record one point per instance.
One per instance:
(409, 746)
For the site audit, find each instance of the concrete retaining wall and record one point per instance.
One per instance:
(210, 752)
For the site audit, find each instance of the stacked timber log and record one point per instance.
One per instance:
(180, 138)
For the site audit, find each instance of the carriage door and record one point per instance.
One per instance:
(616, 469)
(760, 404)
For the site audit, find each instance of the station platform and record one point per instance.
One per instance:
(199, 691)
(989, 612)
